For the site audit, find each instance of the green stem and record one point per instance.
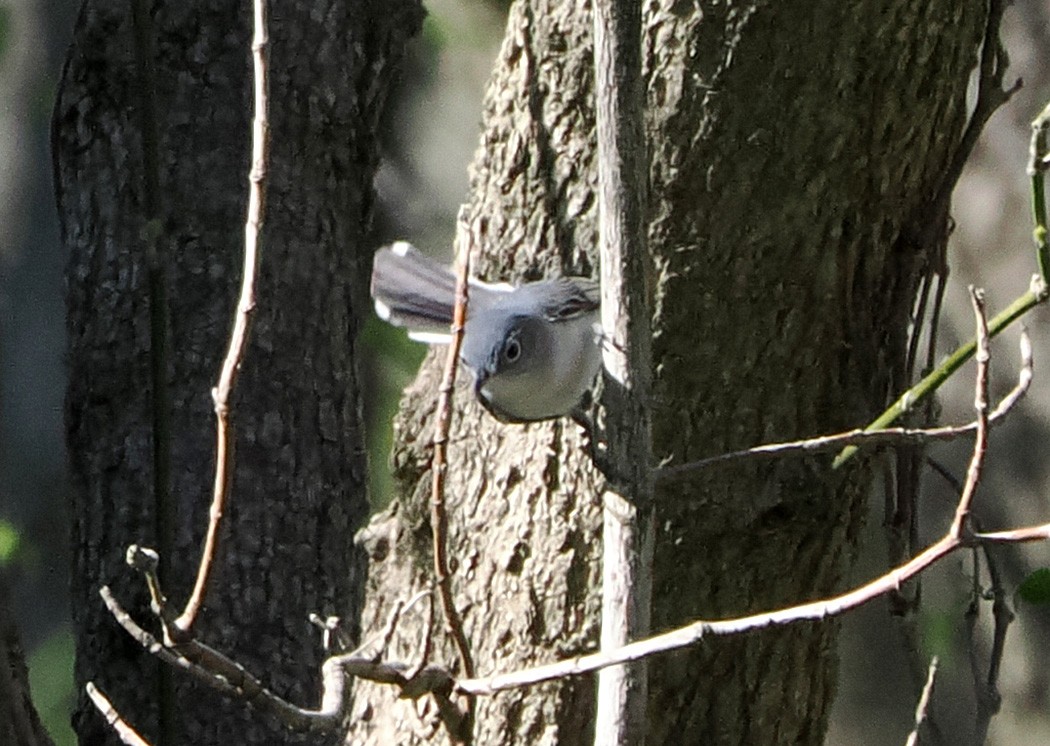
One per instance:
(1037, 166)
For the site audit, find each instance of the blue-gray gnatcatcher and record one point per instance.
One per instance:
(534, 349)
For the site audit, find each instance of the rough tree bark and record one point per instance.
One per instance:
(19, 722)
(798, 152)
(299, 487)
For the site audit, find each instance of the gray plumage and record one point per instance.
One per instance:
(533, 349)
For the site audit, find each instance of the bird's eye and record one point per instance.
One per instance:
(512, 350)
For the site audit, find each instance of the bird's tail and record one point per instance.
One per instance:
(413, 291)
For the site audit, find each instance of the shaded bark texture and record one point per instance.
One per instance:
(299, 490)
(19, 722)
(797, 151)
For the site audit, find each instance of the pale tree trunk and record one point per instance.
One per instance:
(299, 489)
(798, 152)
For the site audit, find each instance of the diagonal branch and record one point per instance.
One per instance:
(124, 731)
(922, 709)
(862, 437)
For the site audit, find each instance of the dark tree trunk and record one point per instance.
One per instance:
(299, 488)
(19, 722)
(797, 159)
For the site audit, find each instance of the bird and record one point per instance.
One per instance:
(534, 349)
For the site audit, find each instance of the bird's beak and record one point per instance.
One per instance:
(480, 378)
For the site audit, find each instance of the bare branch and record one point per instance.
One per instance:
(863, 438)
(696, 631)
(245, 308)
(627, 501)
(391, 625)
(1015, 536)
(986, 686)
(980, 403)
(990, 96)
(987, 695)
(125, 732)
(922, 708)
(438, 514)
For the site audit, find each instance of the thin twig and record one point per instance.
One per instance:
(152, 231)
(438, 513)
(923, 707)
(125, 732)
(903, 602)
(991, 95)
(989, 698)
(980, 404)
(242, 322)
(147, 562)
(986, 686)
(935, 325)
(863, 437)
(332, 634)
(205, 664)
(971, 617)
(917, 318)
(693, 633)
(216, 670)
(387, 635)
(1014, 535)
(428, 643)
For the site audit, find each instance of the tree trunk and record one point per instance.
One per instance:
(797, 160)
(19, 722)
(299, 489)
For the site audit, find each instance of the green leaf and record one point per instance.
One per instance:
(1036, 587)
(9, 540)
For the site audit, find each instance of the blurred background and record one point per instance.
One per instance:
(430, 136)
